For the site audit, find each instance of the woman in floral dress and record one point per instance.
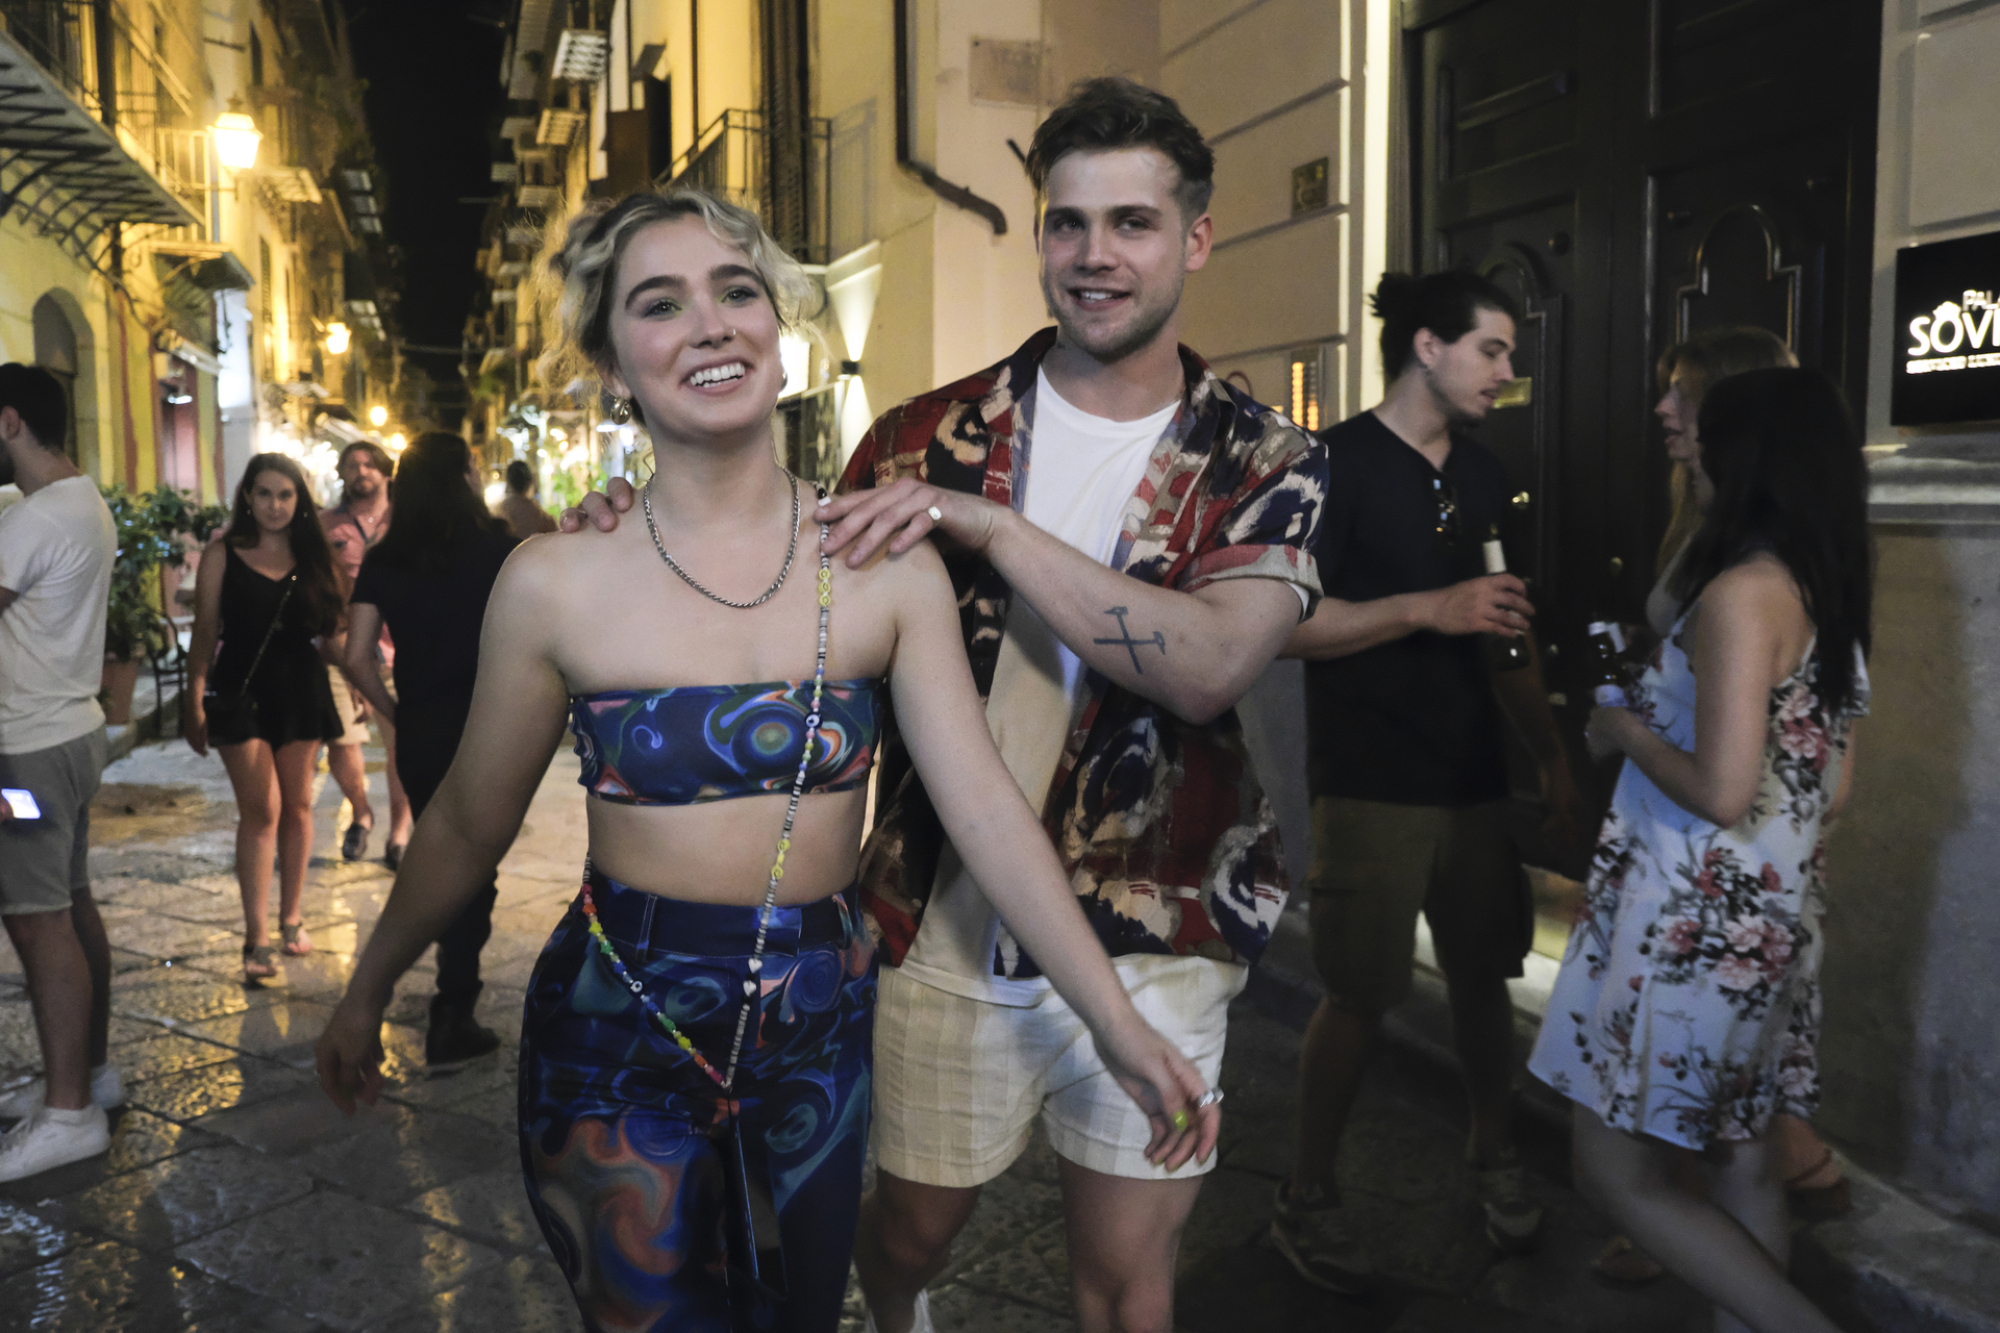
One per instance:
(1687, 1010)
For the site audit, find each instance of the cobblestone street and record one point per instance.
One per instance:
(236, 1198)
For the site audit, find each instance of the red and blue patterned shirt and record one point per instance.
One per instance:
(1160, 822)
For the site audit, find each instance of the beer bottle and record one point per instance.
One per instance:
(1509, 653)
(1607, 665)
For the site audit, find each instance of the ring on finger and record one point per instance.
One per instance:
(1213, 1097)
(937, 515)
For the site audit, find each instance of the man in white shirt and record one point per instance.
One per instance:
(56, 549)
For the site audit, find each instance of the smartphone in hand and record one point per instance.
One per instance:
(21, 802)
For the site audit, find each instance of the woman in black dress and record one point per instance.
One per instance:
(428, 580)
(268, 589)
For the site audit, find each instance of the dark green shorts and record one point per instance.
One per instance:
(1376, 865)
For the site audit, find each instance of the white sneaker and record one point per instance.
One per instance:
(107, 1091)
(48, 1139)
(923, 1323)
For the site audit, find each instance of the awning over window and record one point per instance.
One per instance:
(63, 169)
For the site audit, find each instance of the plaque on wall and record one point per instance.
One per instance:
(1948, 333)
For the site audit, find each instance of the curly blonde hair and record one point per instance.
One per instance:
(579, 270)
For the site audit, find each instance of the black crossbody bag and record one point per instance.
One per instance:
(239, 713)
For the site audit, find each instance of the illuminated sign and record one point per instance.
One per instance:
(1947, 353)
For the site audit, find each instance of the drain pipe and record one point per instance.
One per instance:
(942, 188)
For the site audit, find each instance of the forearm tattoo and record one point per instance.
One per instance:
(1130, 644)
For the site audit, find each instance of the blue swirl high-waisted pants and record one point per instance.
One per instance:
(621, 1172)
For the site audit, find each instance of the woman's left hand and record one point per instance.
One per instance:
(1610, 731)
(1162, 1081)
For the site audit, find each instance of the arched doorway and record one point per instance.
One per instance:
(56, 352)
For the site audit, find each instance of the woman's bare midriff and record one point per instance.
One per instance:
(721, 851)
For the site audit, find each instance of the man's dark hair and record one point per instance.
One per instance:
(39, 399)
(520, 479)
(1102, 114)
(383, 463)
(1448, 304)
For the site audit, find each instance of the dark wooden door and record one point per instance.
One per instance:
(1636, 170)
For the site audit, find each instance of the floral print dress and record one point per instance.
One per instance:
(1687, 1007)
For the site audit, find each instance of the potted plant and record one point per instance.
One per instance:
(153, 528)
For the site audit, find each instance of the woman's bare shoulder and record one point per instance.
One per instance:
(1760, 584)
(551, 580)
(1754, 601)
(915, 576)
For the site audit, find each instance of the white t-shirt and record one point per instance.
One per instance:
(1082, 472)
(56, 549)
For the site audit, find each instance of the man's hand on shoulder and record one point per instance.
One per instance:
(902, 514)
(601, 509)
(1493, 604)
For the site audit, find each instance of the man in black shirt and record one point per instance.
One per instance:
(1406, 759)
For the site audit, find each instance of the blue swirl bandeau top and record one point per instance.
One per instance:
(695, 743)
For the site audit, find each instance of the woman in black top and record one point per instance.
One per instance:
(268, 589)
(428, 580)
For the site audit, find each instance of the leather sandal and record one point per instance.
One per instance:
(259, 962)
(1819, 1202)
(297, 942)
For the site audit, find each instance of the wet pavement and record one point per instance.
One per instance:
(236, 1198)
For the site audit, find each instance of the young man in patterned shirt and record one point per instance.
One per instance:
(1131, 540)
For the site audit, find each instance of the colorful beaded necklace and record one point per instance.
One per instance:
(756, 964)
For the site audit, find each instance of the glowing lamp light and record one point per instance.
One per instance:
(336, 338)
(396, 443)
(795, 355)
(495, 493)
(378, 416)
(236, 138)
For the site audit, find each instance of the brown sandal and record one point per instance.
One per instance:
(259, 962)
(297, 942)
(1623, 1264)
(1819, 1202)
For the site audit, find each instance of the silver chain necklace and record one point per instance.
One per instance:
(646, 499)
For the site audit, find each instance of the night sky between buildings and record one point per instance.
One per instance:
(432, 69)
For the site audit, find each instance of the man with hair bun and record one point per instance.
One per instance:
(1131, 541)
(1406, 759)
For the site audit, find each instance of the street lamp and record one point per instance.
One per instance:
(378, 416)
(336, 338)
(236, 137)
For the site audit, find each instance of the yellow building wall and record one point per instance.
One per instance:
(132, 398)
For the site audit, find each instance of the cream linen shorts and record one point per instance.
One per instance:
(960, 1082)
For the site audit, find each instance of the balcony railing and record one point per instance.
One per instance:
(301, 143)
(75, 41)
(184, 160)
(782, 178)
